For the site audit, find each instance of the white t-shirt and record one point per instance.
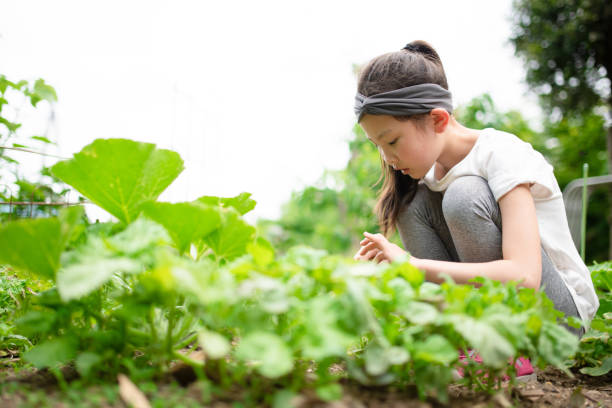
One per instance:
(505, 161)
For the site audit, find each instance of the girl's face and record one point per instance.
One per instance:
(410, 147)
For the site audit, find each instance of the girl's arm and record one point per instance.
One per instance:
(520, 247)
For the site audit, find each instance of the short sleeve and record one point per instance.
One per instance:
(511, 162)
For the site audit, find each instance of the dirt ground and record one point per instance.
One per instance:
(551, 389)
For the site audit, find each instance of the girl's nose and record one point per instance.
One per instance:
(390, 160)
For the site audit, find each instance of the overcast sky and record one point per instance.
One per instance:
(255, 96)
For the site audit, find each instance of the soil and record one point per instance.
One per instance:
(553, 388)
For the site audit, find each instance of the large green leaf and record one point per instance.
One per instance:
(231, 239)
(186, 222)
(435, 349)
(604, 368)
(214, 344)
(90, 266)
(78, 280)
(271, 356)
(51, 353)
(120, 175)
(241, 203)
(32, 245)
(492, 346)
(556, 345)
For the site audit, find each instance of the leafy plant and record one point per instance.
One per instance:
(138, 295)
(595, 352)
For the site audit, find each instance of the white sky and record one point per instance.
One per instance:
(255, 96)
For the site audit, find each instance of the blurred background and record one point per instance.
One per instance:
(258, 96)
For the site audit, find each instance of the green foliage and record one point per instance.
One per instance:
(19, 189)
(566, 50)
(126, 290)
(32, 245)
(595, 350)
(13, 293)
(186, 222)
(565, 47)
(134, 172)
(334, 213)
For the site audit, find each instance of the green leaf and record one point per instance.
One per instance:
(120, 175)
(86, 361)
(141, 236)
(241, 203)
(231, 239)
(604, 368)
(420, 313)
(494, 349)
(435, 349)
(44, 91)
(51, 353)
(214, 344)
(78, 280)
(284, 399)
(186, 222)
(376, 362)
(556, 344)
(32, 245)
(19, 145)
(42, 139)
(324, 336)
(329, 392)
(12, 127)
(397, 355)
(262, 252)
(410, 273)
(70, 218)
(268, 351)
(35, 322)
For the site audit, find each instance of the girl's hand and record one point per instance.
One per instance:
(376, 247)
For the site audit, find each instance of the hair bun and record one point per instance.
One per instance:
(411, 47)
(423, 48)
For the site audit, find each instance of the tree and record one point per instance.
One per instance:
(565, 45)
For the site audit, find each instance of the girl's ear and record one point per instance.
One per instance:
(440, 118)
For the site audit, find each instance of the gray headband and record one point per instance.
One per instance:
(411, 100)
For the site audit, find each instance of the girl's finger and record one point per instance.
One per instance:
(379, 257)
(368, 247)
(365, 255)
(374, 237)
(371, 254)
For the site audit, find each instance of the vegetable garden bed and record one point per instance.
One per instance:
(177, 292)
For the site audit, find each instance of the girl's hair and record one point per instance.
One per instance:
(417, 63)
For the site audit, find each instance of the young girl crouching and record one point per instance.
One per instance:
(466, 202)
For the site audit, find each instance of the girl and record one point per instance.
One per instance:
(466, 202)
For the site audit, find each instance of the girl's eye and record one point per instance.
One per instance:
(393, 142)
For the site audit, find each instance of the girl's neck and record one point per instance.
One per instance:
(458, 141)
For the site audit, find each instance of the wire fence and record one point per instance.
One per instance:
(14, 206)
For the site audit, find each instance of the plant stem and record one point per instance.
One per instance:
(187, 360)
(151, 320)
(186, 342)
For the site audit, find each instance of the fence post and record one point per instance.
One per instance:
(585, 175)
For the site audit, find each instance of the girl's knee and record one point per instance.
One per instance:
(468, 196)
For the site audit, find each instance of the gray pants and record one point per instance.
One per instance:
(464, 225)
